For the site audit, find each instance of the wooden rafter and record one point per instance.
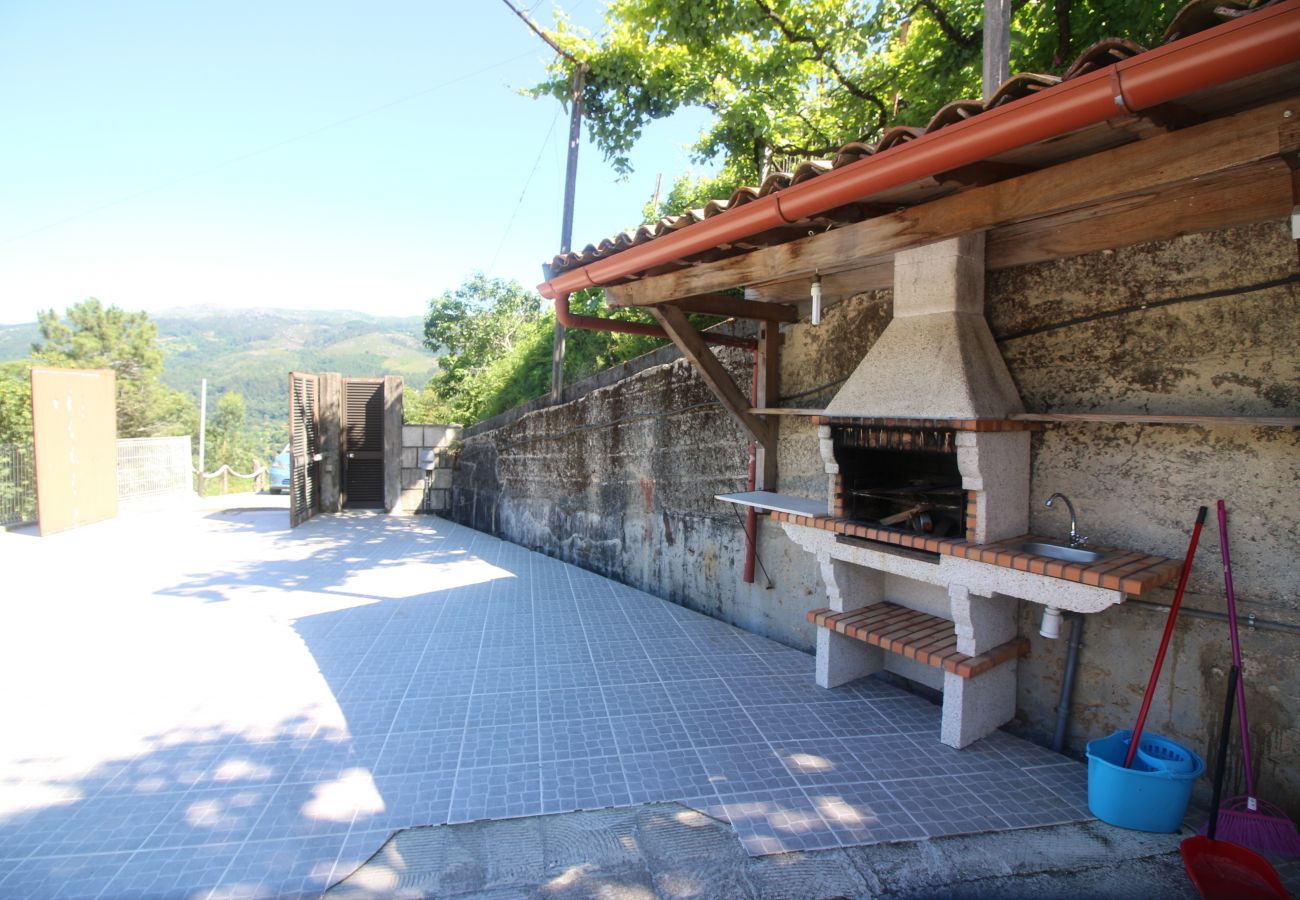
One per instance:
(714, 374)
(735, 307)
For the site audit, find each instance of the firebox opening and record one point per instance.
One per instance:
(916, 490)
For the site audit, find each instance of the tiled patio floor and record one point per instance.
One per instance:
(218, 704)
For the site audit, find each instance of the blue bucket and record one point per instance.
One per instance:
(1145, 797)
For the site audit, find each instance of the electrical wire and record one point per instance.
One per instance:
(546, 141)
(266, 149)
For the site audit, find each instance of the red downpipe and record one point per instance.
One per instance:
(751, 514)
(1255, 43)
(595, 323)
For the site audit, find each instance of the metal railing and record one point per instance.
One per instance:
(153, 468)
(17, 484)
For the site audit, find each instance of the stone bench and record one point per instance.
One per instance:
(979, 691)
(928, 639)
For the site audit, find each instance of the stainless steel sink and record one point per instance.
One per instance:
(1064, 554)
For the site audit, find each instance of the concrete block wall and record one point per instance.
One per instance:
(444, 441)
(621, 480)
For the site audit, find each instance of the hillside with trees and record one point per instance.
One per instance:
(250, 353)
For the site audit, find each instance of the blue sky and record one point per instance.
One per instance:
(163, 154)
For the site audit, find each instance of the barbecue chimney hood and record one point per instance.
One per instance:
(937, 358)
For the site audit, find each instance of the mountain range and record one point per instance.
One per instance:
(252, 351)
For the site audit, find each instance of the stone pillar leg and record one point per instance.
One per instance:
(974, 707)
(982, 623)
(842, 659)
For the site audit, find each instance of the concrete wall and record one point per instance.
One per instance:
(443, 440)
(621, 479)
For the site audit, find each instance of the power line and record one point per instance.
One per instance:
(266, 149)
(518, 203)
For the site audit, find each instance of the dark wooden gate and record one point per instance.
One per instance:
(304, 447)
(363, 443)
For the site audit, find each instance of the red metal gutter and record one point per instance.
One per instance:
(1255, 43)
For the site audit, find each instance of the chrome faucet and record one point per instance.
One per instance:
(1076, 539)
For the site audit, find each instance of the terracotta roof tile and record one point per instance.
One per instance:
(1196, 16)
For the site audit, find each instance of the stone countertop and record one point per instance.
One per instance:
(1128, 571)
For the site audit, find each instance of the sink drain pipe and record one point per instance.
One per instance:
(1067, 683)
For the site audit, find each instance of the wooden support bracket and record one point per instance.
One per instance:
(688, 340)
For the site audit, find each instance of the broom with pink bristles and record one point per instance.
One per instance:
(1247, 820)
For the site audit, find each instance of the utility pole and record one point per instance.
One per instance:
(203, 427)
(997, 45)
(570, 182)
(566, 221)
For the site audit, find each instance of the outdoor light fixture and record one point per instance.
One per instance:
(1051, 627)
(817, 300)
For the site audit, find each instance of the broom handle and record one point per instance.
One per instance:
(1236, 651)
(1164, 641)
(1234, 679)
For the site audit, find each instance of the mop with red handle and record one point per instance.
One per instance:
(1247, 820)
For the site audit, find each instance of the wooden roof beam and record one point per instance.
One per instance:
(736, 308)
(1157, 164)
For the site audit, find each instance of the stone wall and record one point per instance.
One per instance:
(621, 480)
(443, 441)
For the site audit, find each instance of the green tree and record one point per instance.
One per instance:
(15, 403)
(796, 79)
(228, 441)
(476, 325)
(92, 336)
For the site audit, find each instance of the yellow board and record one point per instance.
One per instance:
(74, 428)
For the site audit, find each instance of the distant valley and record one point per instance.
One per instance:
(252, 351)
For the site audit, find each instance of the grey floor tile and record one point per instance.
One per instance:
(745, 769)
(413, 799)
(171, 872)
(775, 689)
(1067, 780)
(421, 751)
(562, 739)
(567, 675)
(516, 708)
(702, 693)
(740, 665)
(505, 679)
(591, 782)
(294, 867)
(943, 805)
(65, 878)
(375, 717)
(214, 816)
(562, 704)
(499, 792)
(820, 761)
(636, 699)
(629, 671)
(683, 668)
(501, 745)
(649, 732)
(778, 821)
(787, 721)
(306, 810)
(666, 775)
(1020, 801)
(614, 650)
(727, 726)
(854, 719)
(1021, 752)
(863, 813)
(431, 714)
